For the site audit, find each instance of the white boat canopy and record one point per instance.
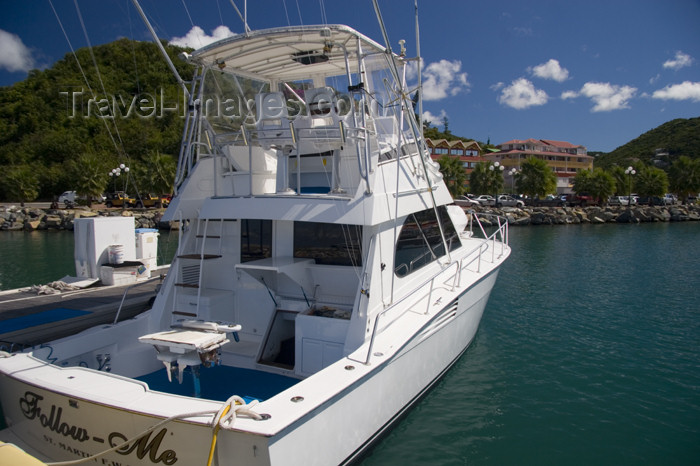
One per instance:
(290, 53)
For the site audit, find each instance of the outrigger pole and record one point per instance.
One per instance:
(160, 46)
(420, 75)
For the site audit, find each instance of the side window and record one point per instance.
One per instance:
(420, 242)
(256, 239)
(328, 243)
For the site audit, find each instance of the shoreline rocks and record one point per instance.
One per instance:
(594, 215)
(31, 219)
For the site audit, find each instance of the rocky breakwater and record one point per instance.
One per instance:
(594, 215)
(30, 219)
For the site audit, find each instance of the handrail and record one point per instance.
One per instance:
(500, 231)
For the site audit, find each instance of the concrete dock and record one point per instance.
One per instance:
(28, 319)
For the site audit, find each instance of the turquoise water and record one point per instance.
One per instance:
(40, 257)
(588, 353)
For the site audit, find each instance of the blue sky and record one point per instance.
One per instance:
(596, 73)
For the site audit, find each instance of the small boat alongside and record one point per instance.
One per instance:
(324, 280)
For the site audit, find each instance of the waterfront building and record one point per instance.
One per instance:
(565, 159)
(468, 152)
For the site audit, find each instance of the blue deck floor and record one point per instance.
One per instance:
(221, 382)
(39, 318)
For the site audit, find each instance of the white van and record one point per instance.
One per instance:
(68, 196)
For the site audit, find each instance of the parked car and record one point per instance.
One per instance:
(486, 200)
(670, 199)
(71, 199)
(508, 201)
(151, 200)
(651, 200)
(466, 201)
(618, 200)
(119, 199)
(548, 201)
(574, 200)
(68, 198)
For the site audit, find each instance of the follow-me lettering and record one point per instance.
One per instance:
(51, 419)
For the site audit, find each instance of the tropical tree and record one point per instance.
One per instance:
(486, 178)
(622, 180)
(21, 183)
(651, 181)
(601, 185)
(453, 174)
(89, 175)
(155, 173)
(536, 178)
(684, 176)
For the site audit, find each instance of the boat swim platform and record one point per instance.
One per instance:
(28, 319)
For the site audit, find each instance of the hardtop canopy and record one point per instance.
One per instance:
(289, 53)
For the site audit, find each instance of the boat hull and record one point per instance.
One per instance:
(65, 426)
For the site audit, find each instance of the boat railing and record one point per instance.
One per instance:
(296, 140)
(500, 235)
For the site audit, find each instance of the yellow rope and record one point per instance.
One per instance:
(216, 432)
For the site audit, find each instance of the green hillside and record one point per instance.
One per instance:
(51, 127)
(677, 137)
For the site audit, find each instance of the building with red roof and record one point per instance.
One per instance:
(565, 159)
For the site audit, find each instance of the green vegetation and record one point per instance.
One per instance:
(454, 175)
(680, 137)
(486, 179)
(684, 175)
(597, 183)
(56, 135)
(535, 178)
(650, 181)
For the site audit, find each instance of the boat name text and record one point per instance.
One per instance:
(51, 419)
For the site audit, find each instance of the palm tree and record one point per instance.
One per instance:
(486, 178)
(602, 185)
(453, 174)
(684, 176)
(651, 181)
(89, 175)
(536, 178)
(21, 184)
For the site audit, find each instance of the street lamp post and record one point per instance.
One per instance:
(117, 172)
(496, 167)
(630, 171)
(512, 173)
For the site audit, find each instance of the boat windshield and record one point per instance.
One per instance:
(228, 100)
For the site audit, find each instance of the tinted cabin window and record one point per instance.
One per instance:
(328, 243)
(420, 242)
(256, 239)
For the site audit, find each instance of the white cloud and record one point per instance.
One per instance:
(569, 95)
(684, 91)
(14, 55)
(434, 120)
(681, 60)
(196, 38)
(608, 96)
(550, 70)
(442, 79)
(522, 94)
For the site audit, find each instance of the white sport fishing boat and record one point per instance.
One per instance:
(324, 279)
